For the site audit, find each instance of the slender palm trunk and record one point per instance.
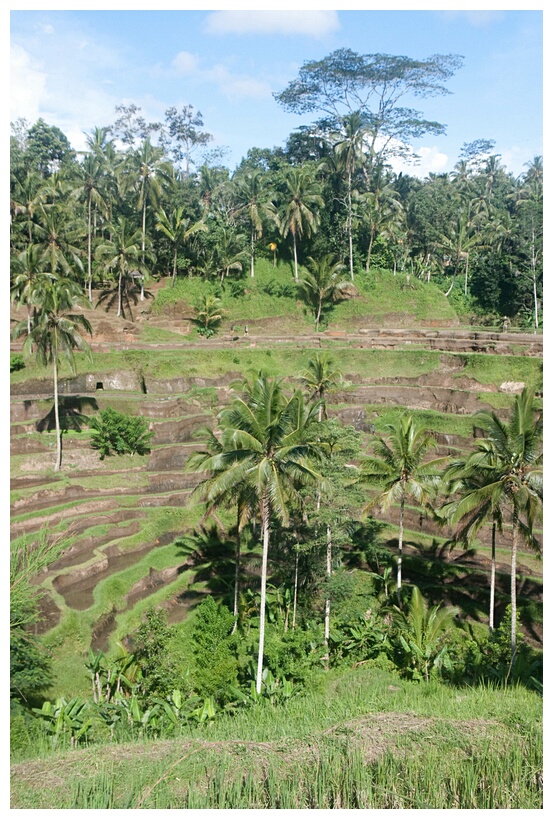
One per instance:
(295, 257)
(295, 591)
(400, 544)
(467, 274)
(143, 248)
(119, 293)
(57, 415)
(252, 253)
(350, 227)
(492, 581)
(369, 251)
(90, 249)
(265, 529)
(236, 571)
(327, 601)
(174, 266)
(514, 590)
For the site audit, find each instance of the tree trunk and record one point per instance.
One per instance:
(57, 415)
(89, 253)
(295, 591)
(350, 228)
(369, 251)
(174, 266)
(295, 257)
(492, 581)
(327, 600)
(265, 529)
(119, 294)
(252, 263)
(514, 591)
(143, 247)
(236, 571)
(400, 545)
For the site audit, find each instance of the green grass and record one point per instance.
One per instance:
(359, 739)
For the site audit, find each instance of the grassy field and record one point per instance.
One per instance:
(358, 739)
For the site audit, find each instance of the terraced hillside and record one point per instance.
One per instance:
(123, 518)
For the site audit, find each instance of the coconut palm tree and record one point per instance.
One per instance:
(122, 256)
(55, 333)
(151, 173)
(319, 379)
(300, 216)
(267, 443)
(398, 468)
(177, 228)
(90, 189)
(322, 284)
(511, 463)
(27, 269)
(468, 481)
(349, 153)
(254, 199)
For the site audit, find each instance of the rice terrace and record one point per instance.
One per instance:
(276, 451)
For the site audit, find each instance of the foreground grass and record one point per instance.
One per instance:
(360, 739)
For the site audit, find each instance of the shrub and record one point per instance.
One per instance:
(215, 673)
(119, 434)
(16, 362)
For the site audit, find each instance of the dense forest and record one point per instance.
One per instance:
(287, 538)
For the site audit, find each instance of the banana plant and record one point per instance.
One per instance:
(422, 632)
(65, 718)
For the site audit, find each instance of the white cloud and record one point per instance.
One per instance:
(28, 85)
(233, 85)
(432, 160)
(478, 19)
(312, 23)
(185, 63)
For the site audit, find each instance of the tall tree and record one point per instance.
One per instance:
(122, 256)
(319, 379)
(267, 442)
(254, 199)
(349, 153)
(177, 228)
(55, 333)
(469, 481)
(89, 188)
(183, 128)
(373, 85)
(512, 462)
(399, 470)
(300, 209)
(322, 284)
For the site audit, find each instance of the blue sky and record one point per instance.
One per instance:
(72, 67)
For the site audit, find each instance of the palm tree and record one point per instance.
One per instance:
(209, 313)
(59, 237)
(399, 470)
(255, 200)
(177, 228)
(27, 270)
(300, 215)
(349, 153)
(90, 188)
(55, 332)
(469, 480)
(322, 284)
(511, 463)
(242, 497)
(320, 378)
(267, 444)
(151, 172)
(121, 255)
